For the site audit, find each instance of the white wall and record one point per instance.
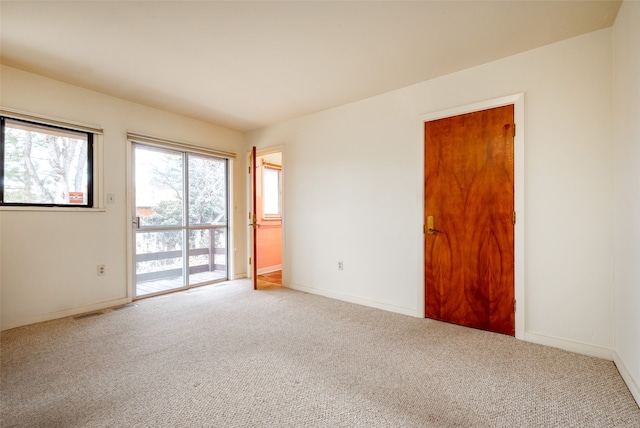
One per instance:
(49, 259)
(626, 50)
(354, 190)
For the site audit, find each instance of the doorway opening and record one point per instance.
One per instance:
(266, 213)
(269, 215)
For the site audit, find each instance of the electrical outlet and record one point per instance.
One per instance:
(102, 270)
(340, 266)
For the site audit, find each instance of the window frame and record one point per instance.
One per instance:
(94, 159)
(268, 216)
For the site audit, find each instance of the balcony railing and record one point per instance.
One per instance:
(177, 272)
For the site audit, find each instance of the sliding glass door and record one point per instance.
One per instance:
(180, 219)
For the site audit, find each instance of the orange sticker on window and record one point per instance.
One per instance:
(76, 197)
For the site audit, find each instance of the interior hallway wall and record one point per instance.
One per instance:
(355, 190)
(626, 49)
(49, 259)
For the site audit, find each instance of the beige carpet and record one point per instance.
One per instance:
(228, 356)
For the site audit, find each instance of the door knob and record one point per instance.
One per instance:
(430, 229)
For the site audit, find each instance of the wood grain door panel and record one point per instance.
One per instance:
(469, 262)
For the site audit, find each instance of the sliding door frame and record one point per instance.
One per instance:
(163, 144)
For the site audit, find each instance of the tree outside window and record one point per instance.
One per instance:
(45, 165)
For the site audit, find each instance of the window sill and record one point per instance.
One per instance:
(53, 209)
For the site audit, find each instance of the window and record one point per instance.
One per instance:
(45, 165)
(271, 191)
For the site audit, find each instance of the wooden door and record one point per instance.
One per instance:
(253, 219)
(469, 204)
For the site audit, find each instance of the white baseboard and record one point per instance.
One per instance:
(240, 275)
(13, 322)
(269, 269)
(632, 383)
(357, 300)
(569, 345)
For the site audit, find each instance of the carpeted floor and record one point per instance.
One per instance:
(227, 356)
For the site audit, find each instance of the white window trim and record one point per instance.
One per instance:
(98, 156)
(178, 145)
(48, 120)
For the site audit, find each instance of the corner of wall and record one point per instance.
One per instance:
(633, 386)
(626, 107)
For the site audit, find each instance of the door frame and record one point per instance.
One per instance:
(133, 138)
(261, 151)
(519, 198)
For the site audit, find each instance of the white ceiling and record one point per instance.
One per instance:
(245, 65)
